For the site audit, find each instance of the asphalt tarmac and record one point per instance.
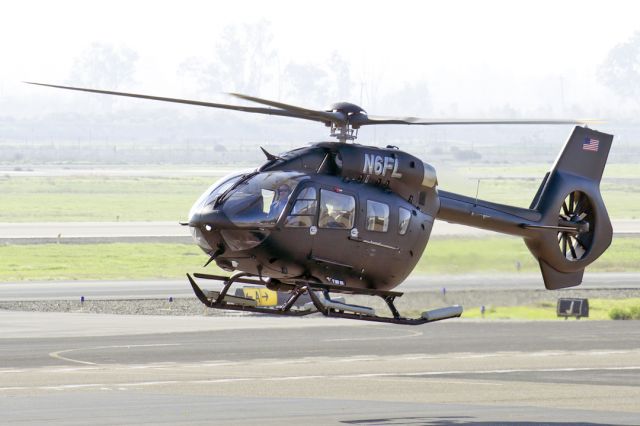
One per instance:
(80, 368)
(58, 368)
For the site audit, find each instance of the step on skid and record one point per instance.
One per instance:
(321, 301)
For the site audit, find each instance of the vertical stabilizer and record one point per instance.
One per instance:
(571, 207)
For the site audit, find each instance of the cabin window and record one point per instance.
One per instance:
(336, 210)
(304, 209)
(404, 217)
(377, 216)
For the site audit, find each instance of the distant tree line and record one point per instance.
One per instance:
(244, 59)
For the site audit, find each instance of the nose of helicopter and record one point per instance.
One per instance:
(209, 218)
(204, 223)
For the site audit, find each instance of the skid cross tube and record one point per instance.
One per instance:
(394, 311)
(227, 285)
(295, 294)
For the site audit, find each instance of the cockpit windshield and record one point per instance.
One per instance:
(215, 190)
(259, 201)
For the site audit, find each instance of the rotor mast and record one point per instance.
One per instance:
(343, 133)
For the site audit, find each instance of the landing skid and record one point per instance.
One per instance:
(320, 301)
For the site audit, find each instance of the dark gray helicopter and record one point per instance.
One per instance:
(338, 217)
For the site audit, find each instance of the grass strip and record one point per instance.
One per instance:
(99, 198)
(130, 198)
(599, 309)
(510, 254)
(113, 261)
(110, 261)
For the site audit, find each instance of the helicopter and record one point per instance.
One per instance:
(343, 218)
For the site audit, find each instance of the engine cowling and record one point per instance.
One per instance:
(402, 173)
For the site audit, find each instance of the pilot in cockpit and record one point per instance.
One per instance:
(279, 200)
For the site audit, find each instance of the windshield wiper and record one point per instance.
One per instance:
(222, 197)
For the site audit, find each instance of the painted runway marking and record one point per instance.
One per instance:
(312, 377)
(409, 334)
(308, 360)
(57, 354)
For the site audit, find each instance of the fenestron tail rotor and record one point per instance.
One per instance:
(576, 210)
(344, 118)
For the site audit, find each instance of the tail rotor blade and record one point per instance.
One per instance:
(572, 248)
(571, 205)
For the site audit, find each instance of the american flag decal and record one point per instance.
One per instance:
(590, 144)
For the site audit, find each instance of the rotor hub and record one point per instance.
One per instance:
(346, 108)
(353, 115)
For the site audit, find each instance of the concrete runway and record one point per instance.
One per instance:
(112, 230)
(103, 369)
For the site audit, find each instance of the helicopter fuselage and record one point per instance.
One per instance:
(362, 226)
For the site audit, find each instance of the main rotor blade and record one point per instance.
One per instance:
(268, 111)
(336, 117)
(378, 119)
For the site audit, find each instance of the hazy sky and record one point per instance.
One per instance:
(472, 54)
